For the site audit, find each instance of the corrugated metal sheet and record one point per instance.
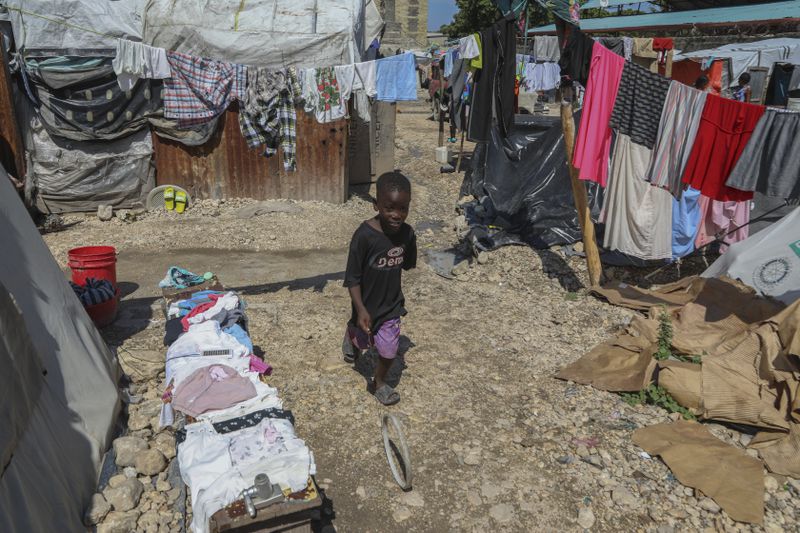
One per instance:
(12, 151)
(226, 167)
(676, 19)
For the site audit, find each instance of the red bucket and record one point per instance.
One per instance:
(98, 262)
(104, 313)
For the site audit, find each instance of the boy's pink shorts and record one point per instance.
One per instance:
(386, 339)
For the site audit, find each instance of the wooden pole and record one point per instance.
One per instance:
(578, 188)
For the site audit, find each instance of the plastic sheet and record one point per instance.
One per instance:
(523, 188)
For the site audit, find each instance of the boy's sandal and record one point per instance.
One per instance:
(387, 395)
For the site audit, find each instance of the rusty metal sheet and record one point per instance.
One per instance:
(12, 151)
(225, 167)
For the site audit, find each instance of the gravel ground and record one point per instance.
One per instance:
(497, 443)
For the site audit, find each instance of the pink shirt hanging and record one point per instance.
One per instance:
(593, 144)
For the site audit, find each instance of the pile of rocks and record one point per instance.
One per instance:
(140, 496)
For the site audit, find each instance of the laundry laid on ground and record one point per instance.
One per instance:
(230, 423)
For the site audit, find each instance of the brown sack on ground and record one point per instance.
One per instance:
(673, 295)
(684, 382)
(624, 363)
(701, 461)
(780, 451)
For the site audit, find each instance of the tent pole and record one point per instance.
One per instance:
(578, 188)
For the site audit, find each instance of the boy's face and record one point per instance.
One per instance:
(392, 208)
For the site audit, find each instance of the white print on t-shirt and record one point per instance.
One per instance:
(392, 259)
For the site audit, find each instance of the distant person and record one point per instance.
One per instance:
(701, 83)
(381, 248)
(742, 91)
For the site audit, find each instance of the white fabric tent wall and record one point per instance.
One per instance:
(768, 261)
(58, 384)
(266, 33)
(81, 26)
(743, 55)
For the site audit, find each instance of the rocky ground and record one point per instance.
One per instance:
(497, 443)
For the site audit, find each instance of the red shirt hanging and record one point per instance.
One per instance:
(725, 128)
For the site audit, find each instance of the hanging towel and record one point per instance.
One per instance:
(545, 48)
(468, 47)
(367, 73)
(136, 60)
(396, 78)
(593, 143)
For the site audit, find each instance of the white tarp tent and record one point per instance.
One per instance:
(768, 261)
(83, 27)
(58, 393)
(267, 33)
(743, 55)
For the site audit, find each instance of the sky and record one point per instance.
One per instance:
(440, 12)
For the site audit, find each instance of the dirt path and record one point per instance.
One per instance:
(497, 443)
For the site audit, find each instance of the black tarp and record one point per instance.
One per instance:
(523, 189)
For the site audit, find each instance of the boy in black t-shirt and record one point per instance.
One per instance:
(381, 248)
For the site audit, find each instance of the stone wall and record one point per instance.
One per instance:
(406, 23)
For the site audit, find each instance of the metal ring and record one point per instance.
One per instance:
(405, 455)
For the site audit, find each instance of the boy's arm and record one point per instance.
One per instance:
(352, 280)
(410, 260)
(364, 321)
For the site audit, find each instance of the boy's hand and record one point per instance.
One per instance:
(364, 321)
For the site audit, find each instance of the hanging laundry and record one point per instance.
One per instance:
(396, 78)
(468, 47)
(777, 93)
(677, 130)
(644, 55)
(322, 96)
(639, 104)
(211, 388)
(493, 94)
(685, 221)
(770, 163)
(457, 84)
(546, 48)
(367, 74)
(638, 216)
(615, 44)
(200, 89)
(268, 116)
(576, 58)
(627, 44)
(542, 76)
(477, 61)
(349, 81)
(449, 57)
(137, 60)
(593, 143)
(717, 219)
(725, 127)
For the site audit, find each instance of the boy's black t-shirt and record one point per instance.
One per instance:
(376, 262)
